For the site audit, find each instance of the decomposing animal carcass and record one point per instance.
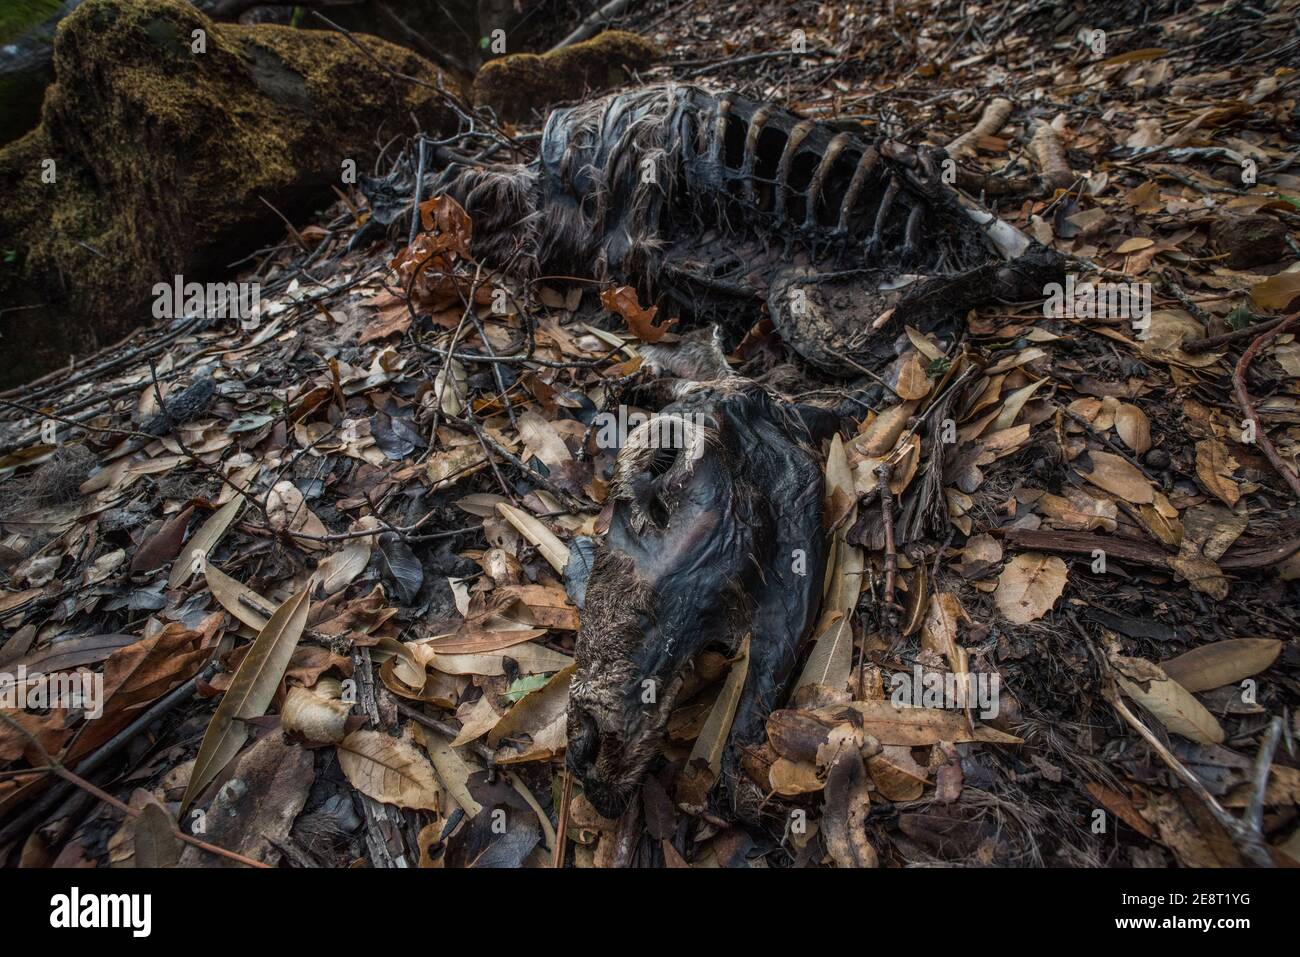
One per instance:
(722, 203)
(715, 534)
(719, 202)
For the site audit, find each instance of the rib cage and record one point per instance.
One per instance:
(740, 165)
(724, 162)
(682, 192)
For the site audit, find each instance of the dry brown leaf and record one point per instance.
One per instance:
(1171, 703)
(912, 382)
(542, 538)
(240, 601)
(1277, 292)
(848, 801)
(622, 301)
(1222, 662)
(338, 570)
(389, 770)
(896, 773)
(831, 660)
(1115, 474)
(532, 659)
(251, 691)
(792, 778)
(1214, 467)
(539, 714)
(1012, 406)
(1133, 427)
(316, 713)
(452, 769)
(881, 433)
(914, 727)
(1029, 586)
(164, 545)
(195, 556)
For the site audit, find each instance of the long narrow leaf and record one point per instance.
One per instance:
(250, 693)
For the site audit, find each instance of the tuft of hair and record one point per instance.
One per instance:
(502, 203)
(56, 481)
(697, 356)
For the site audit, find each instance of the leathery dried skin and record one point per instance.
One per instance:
(712, 537)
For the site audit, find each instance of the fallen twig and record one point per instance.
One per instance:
(594, 23)
(1243, 399)
(1227, 338)
(562, 832)
(21, 824)
(53, 765)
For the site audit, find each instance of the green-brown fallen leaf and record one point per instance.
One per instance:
(204, 540)
(251, 692)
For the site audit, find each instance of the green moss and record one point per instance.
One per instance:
(164, 155)
(19, 16)
(520, 83)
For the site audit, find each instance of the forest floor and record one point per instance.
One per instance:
(328, 599)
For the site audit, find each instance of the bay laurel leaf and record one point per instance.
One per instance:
(195, 555)
(1117, 475)
(251, 691)
(1222, 663)
(1171, 703)
(831, 660)
(238, 599)
(541, 537)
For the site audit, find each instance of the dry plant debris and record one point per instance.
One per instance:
(337, 600)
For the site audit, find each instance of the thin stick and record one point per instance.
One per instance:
(1243, 399)
(562, 832)
(415, 200)
(1213, 342)
(1248, 839)
(1248, 842)
(887, 515)
(45, 804)
(1254, 818)
(73, 778)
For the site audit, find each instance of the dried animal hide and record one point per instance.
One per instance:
(714, 499)
(719, 202)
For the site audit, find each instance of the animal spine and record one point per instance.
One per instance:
(679, 191)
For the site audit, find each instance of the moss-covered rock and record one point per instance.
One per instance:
(162, 156)
(518, 84)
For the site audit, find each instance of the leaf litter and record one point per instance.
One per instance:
(347, 582)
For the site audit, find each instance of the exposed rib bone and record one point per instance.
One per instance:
(994, 117)
(829, 159)
(1046, 147)
(882, 215)
(756, 124)
(1009, 241)
(797, 136)
(865, 166)
(912, 235)
(720, 130)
